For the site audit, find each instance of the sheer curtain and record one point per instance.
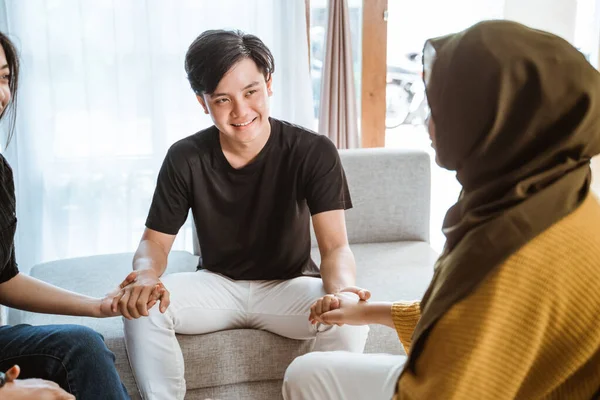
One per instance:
(103, 95)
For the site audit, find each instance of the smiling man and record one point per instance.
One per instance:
(253, 183)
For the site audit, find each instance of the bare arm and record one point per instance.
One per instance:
(153, 251)
(379, 313)
(338, 268)
(26, 293)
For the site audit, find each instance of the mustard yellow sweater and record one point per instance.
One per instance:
(530, 331)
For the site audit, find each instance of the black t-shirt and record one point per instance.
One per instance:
(8, 222)
(253, 222)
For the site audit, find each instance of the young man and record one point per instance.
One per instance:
(252, 183)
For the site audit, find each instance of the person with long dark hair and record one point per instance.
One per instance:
(54, 361)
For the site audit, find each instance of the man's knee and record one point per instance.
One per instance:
(304, 372)
(348, 337)
(155, 317)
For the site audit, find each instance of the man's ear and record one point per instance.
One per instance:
(202, 102)
(269, 85)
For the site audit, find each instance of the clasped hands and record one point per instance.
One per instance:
(348, 306)
(137, 294)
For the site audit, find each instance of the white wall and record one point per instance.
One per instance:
(555, 16)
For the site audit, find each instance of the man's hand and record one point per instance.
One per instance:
(139, 292)
(18, 389)
(105, 305)
(327, 303)
(362, 294)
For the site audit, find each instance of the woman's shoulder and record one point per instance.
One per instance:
(568, 250)
(576, 235)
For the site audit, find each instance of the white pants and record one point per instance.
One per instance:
(204, 302)
(342, 376)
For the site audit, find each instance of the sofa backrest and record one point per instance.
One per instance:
(390, 191)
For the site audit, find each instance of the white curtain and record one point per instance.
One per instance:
(103, 95)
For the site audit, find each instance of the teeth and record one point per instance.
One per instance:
(244, 124)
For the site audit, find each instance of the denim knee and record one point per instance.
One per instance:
(86, 343)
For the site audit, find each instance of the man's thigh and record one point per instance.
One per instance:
(204, 302)
(283, 307)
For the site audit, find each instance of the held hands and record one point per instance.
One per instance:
(138, 293)
(348, 306)
(17, 389)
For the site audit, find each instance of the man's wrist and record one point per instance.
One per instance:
(149, 272)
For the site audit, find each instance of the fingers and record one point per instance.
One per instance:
(62, 395)
(324, 304)
(151, 304)
(165, 300)
(145, 296)
(313, 314)
(362, 294)
(156, 295)
(129, 279)
(157, 291)
(12, 373)
(114, 306)
(123, 305)
(134, 295)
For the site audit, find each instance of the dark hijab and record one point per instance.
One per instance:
(517, 116)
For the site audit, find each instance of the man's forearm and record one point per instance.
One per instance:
(338, 269)
(150, 255)
(26, 293)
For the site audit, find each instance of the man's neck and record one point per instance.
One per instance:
(241, 154)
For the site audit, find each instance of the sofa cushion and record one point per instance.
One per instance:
(399, 270)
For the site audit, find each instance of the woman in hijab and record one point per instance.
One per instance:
(513, 309)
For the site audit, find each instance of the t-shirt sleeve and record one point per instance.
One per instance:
(171, 200)
(326, 186)
(8, 223)
(10, 269)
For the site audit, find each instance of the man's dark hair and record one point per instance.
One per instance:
(12, 60)
(214, 52)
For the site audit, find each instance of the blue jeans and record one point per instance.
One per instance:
(73, 356)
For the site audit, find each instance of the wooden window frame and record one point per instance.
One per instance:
(374, 70)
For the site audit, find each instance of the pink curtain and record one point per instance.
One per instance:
(337, 114)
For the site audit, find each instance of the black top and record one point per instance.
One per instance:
(8, 222)
(252, 222)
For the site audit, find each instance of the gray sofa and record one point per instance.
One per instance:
(388, 229)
